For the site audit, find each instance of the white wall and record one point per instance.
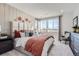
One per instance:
(76, 12)
(9, 13)
(67, 19)
(67, 22)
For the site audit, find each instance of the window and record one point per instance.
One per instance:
(39, 25)
(56, 23)
(43, 24)
(52, 23)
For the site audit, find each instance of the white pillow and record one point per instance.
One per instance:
(22, 34)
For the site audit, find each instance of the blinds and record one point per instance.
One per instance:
(51, 23)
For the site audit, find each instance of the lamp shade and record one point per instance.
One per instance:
(0, 28)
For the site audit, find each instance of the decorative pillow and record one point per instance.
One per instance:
(36, 33)
(17, 34)
(27, 34)
(22, 34)
(30, 33)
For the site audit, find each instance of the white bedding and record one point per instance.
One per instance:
(23, 40)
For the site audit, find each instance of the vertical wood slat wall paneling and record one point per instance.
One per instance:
(15, 14)
(12, 14)
(12, 18)
(0, 14)
(2, 17)
(16, 11)
(7, 18)
(9, 13)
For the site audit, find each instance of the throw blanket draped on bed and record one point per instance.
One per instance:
(35, 45)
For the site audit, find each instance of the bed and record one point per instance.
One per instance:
(20, 42)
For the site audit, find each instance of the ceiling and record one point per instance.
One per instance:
(41, 10)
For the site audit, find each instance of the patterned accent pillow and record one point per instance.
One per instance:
(17, 34)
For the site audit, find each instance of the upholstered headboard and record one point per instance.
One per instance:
(21, 24)
(18, 25)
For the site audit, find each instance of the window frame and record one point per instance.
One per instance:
(47, 27)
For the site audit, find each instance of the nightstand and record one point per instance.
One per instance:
(6, 44)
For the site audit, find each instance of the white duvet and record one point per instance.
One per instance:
(23, 40)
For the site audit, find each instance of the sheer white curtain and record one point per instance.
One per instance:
(48, 24)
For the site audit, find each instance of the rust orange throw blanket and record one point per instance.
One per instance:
(35, 45)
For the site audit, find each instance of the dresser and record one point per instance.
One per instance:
(6, 44)
(74, 43)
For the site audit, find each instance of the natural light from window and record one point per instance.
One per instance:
(49, 24)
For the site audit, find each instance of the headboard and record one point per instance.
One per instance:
(22, 24)
(18, 25)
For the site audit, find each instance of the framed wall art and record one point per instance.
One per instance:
(75, 21)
